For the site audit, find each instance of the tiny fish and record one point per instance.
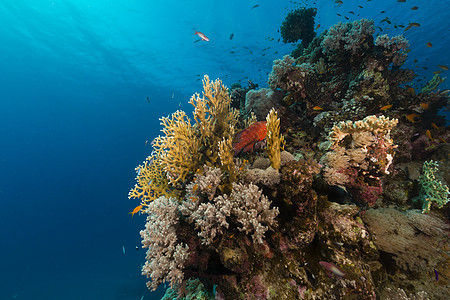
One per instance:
(255, 6)
(424, 105)
(401, 1)
(202, 36)
(443, 67)
(415, 8)
(231, 36)
(360, 6)
(412, 117)
(123, 250)
(386, 107)
(415, 60)
(410, 90)
(317, 108)
(148, 100)
(437, 72)
(428, 134)
(351, 12)
(429, 45)
(318, 26)
(338, 2)
(135, 210)
(434, 126)
(332, 268)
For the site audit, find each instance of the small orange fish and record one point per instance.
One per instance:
(428, 133)
(415, 8)
(424, 105)
(318, 26)
(386, 107)
(429, 45)
(317, 108)
(434, 126)
(442, 140)
(437, 72)
(411, 90)
(443, 67)
(135, 210)
(247, 138)
(412, 117)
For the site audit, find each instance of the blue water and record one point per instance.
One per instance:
(74, 118)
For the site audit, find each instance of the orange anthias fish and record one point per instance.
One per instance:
(386, 107)
(202, 36)
(428, 134)
(246, 139)
(317, 108)
(424, 105)
(413, 117)
(135, 210)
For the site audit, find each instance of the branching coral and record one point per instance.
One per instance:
(351, 37)
(178, 149)
(152, 181)
(280, 69)
(245, 209)
(274, 139)
(165, 256)
(431, 189)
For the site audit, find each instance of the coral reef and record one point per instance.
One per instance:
(431, 189)
(225, 222)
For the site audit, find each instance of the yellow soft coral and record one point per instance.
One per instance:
(274, 139)
(178, 149)
(184, 147)
(152, 181)
(214, 117)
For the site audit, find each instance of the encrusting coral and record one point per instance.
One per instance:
(359, 162)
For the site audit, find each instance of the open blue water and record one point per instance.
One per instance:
(74, 117)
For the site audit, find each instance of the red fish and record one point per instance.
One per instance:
(246, 139)
(202, 35)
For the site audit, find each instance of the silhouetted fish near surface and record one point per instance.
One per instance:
(231, 36)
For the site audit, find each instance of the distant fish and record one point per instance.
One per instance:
(428, 134)
(255, 6)
(317, 108)
(386, 107)
(443, 67)
(332, 268)
(148, 100)
(413, 118)
(202, 36)
(318, 26)
(424, 105)
(231, 36)
(414, 8)
(338, 2)
(437, 72)
(434, 126)
(123, 250)
(429, 45)
(401, 1)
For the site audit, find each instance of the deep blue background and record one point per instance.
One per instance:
(74, 118)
